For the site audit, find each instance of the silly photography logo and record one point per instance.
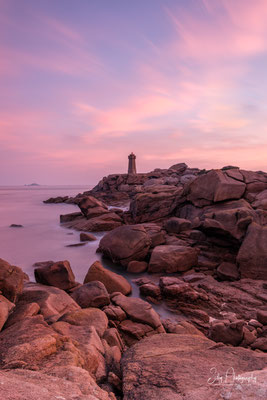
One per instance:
(229, 377)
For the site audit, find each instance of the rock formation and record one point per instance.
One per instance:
(201, 236)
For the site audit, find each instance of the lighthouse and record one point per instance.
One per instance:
(131, 164)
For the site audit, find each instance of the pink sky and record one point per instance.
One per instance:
(85, 83)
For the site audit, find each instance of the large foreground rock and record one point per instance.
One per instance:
(60, 383)
(168, 258)
(125, 244)
(252, 256)
(59, 274)
(11, 280)
(191, 367)
(112, 281)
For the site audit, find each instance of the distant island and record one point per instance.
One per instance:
(32, 184)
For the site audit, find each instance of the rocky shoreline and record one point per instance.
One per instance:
(203, 234)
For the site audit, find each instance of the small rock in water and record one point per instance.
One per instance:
(75, 245)
(87, 237)
(16, 226)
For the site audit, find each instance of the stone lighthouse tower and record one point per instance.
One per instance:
(132, 165)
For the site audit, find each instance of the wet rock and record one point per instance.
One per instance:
(137, 267)
(53, 302)
(227, 272)
(59, 275)
(125, 244)
(252, 255)
(75, 245)
(87, 237)
(113, 282)
(91, 294)
(70, 217)
(167, 366)
(11, 280)
(16, 226)
(172, 259)
(56, 200)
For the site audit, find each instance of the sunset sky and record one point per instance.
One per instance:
(85, 82)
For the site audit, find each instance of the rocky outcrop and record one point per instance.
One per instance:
(167, 367)
(156, 203)
(216, 186)
(91, 207)
(113, 282)
(125, 244)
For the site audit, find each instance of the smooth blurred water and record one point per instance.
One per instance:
(42, 238)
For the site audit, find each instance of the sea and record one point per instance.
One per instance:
(43, 238)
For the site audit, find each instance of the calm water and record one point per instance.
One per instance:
(42, 238)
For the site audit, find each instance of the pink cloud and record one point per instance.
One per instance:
(225, 36)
